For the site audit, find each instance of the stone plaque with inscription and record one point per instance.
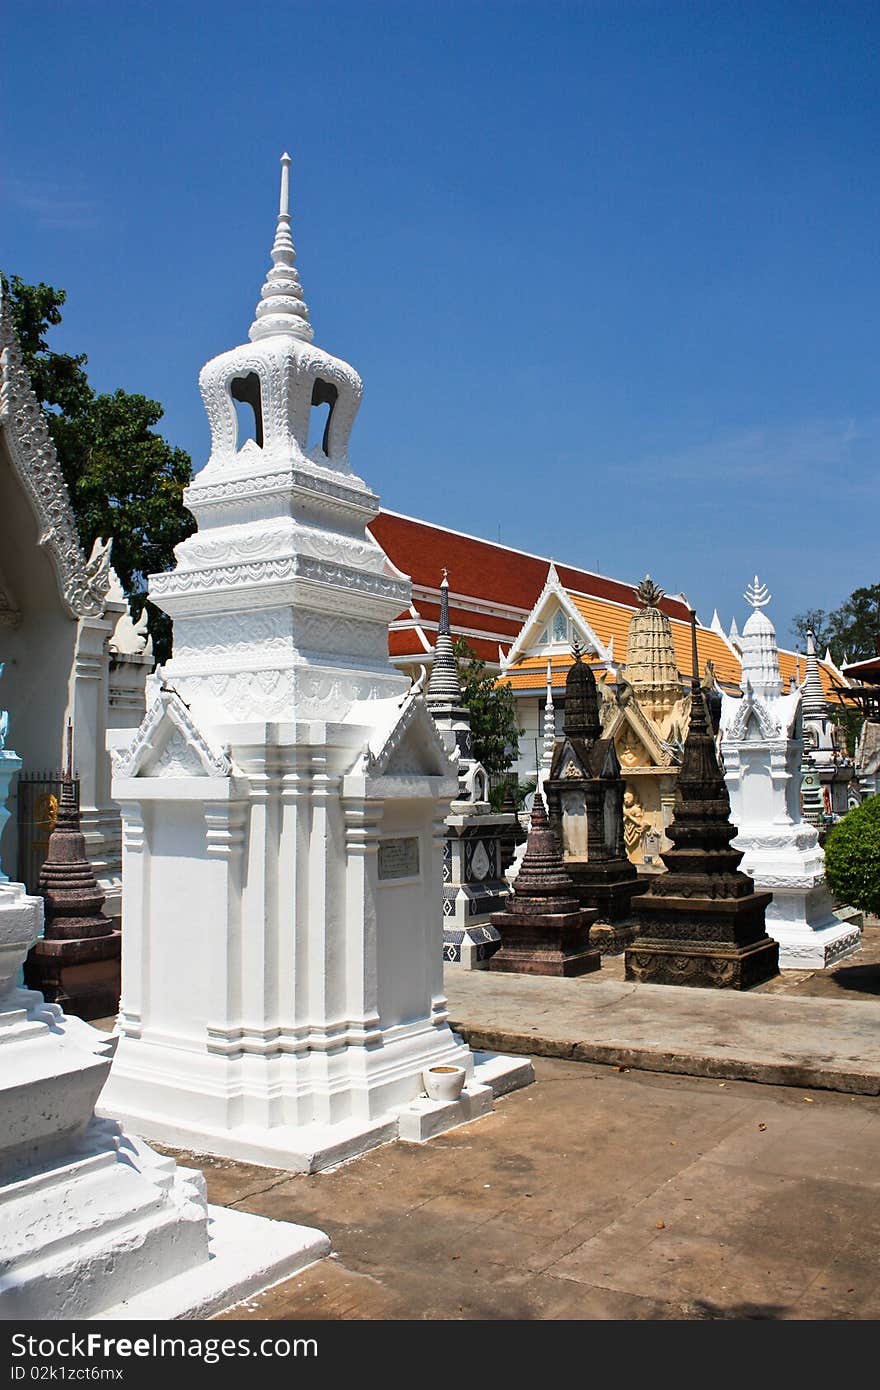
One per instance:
(399, 858)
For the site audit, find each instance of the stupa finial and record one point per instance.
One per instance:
(696, 687)
(443, 624)
(282, 308)
(648, 593)
(757, 594)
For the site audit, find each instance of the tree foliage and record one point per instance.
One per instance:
(492, 709)
(852, 856)
(125, 480)
(850, 629)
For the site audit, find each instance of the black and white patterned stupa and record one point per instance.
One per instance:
(473, 881)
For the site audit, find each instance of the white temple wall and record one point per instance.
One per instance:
(57, 667)
(528, 713)
(38, 653)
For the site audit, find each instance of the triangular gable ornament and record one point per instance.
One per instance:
(170, 744)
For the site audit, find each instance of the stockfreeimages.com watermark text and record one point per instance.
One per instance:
(96, 1346)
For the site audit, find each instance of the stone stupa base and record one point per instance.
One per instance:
(609, 889)
(549, 943)
(714, 943)
(81, 976)
(612, 938)
(706, 966)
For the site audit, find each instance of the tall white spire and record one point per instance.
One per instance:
(282, 308)
(549, 729)
(760, 656)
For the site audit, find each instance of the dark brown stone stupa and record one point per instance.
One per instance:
(76, 964)
(585, 792)
(545, 931)
(702, 923)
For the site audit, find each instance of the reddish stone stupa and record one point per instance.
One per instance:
(76, 964)
(545, 931)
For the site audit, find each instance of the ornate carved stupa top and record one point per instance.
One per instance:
(649, 594)
(282, 308)
(281, 598)
(760, 655)
(282, 378)
(651, 667)
(581, 717)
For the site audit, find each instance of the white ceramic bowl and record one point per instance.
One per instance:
(444, 1082)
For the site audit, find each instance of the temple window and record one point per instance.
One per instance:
(324, 393)
(560, 627)
(245, 392)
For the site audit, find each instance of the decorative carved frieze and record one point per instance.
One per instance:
(83, 583)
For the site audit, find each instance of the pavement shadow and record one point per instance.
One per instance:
(750, 1312)
(865, 979)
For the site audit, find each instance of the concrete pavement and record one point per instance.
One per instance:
(804, 1028)
(782, 1040)
(595, 1194)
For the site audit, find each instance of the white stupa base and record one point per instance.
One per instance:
(810, 934)
(310, 1148)
(92, 1219)
(246, 1255)
(806, 949)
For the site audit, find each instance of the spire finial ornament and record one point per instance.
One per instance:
(757, 594)
(696, 688)
(648, 593)
(282, 308)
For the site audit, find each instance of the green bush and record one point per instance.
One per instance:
(852, 856)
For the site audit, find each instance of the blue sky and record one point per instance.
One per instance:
(609, 270)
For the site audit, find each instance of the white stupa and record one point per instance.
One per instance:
(762, 749)
(284, 800)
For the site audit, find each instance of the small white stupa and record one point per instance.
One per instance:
(762, 749)
(284, 799)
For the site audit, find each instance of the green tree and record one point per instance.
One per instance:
(817, 621)
(852, 856)
(125, 480)
(851, 629)
(492, 709)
